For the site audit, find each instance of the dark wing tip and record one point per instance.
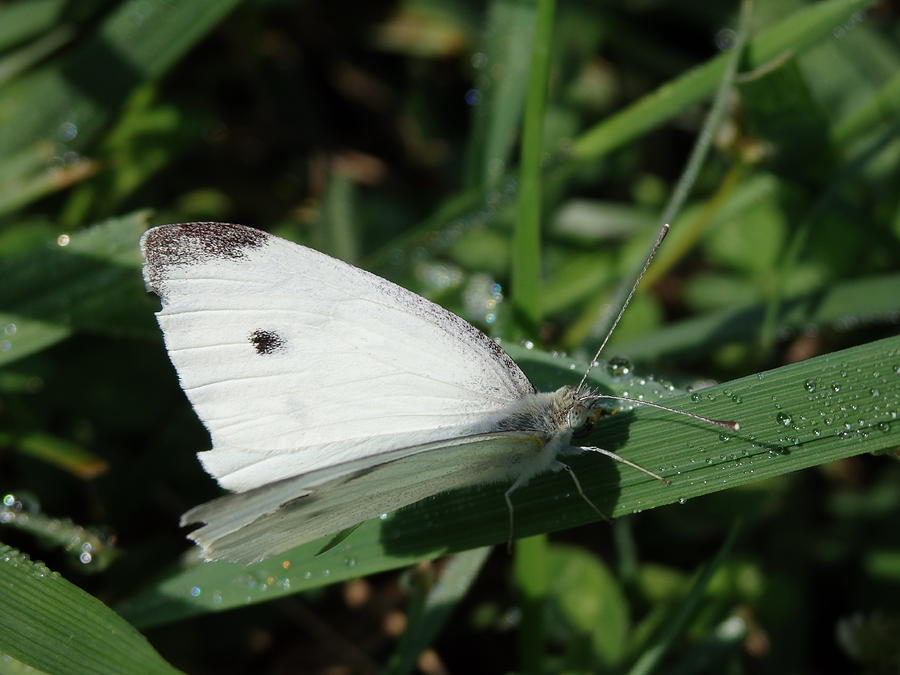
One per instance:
(186, 244)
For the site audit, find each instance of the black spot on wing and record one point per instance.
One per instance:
(189, 244)
(267, 342)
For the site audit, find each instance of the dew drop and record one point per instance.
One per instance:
(835, 387)
(618, 366)
(810, 386)
(696, 398)
(884, 426)
(784, 418)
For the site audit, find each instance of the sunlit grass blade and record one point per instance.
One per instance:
(792, 418)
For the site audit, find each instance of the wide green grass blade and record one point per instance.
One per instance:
(54, 626)
(794, 417)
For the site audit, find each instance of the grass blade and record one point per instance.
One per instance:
(52, 625)
(792, 418)
(526, 270)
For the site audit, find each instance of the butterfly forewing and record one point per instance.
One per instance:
(296, 361)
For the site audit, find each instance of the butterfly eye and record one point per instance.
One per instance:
(578, 417)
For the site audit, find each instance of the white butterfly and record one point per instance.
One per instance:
(332, 395)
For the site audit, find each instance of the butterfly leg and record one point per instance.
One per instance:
(568, 469)
(619, 458)
(520, 481)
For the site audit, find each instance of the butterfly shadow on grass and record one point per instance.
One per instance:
(469, 517)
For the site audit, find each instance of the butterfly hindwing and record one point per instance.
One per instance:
(253, 525)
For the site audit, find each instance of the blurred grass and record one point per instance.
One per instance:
(390, 135)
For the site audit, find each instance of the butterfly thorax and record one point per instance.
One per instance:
(556, 414)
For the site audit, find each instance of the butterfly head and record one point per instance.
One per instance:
(575, 410)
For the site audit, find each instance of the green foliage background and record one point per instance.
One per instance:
(391, 135)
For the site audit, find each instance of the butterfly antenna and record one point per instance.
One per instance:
(659, 239)
(732, 426)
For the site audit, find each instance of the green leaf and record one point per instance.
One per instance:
(794, 417)
(54, 626)
(86, 281)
